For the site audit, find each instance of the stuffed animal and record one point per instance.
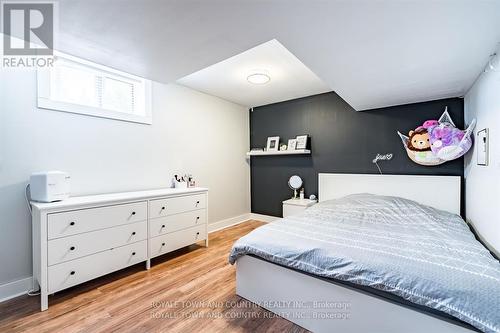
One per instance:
(419, 140)
(428, 124)
(447, 141)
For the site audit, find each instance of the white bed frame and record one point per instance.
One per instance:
(442, 192)
(292, 294)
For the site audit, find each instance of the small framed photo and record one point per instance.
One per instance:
(273, 143)
(292, 144)
(301, 142)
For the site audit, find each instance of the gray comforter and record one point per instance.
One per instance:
(424, 255)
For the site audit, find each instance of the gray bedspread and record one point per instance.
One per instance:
(424, 255)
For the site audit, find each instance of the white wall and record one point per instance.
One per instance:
(191, 132)
(483, 182)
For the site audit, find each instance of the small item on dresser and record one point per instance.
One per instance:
(190, 181)
(283, 147)
(180, 182)
(312, 197)
(49, 186)
(292, 144)
(301, 195)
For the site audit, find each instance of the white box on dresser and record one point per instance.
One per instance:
(82, 238)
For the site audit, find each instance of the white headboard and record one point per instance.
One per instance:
(441, 192)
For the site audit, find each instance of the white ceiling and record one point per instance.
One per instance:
(227, 79)
(373, 53)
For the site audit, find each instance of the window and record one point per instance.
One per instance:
(78, 86)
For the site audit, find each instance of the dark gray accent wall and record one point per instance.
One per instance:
(342, 141)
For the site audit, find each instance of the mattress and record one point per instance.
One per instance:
(423, 255)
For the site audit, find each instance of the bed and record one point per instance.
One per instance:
(369, 258)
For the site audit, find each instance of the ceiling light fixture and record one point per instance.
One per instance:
(258, 78)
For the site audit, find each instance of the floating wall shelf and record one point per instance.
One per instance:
(279, 152)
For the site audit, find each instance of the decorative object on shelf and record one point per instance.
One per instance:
(301, 142)
(483, 147)
(292, 144)
(312, 197)
(302, 194)
(283, 147)
(295, 183)
(437, 141)
(381, 157)
(272, 143)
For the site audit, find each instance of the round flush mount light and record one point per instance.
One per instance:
(258, 78)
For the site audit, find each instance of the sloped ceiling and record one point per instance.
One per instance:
(373, 53)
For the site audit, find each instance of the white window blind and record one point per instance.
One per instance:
(78, 86)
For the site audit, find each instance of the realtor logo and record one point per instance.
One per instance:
(28, 29)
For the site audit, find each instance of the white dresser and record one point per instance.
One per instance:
(82, 238)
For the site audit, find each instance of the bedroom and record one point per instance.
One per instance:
(150, 150)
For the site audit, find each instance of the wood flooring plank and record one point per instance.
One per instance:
(190, 290)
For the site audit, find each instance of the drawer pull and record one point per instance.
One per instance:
(198, 233)
(72, 223)
(133, 213)
(133, 253)
(72, 273)
(72, 248)
(162, 244)
(197, 203)
(133, 233)
(162, 226)
(163, 208)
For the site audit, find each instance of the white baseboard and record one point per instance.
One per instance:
(228, 222)
(15, 288)
(263, 218)
(239, 219)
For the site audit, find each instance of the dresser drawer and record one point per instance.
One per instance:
(171, 223)
(164, 207)
(77, 246)
(175, 240)
(85, 220)
(73, 272)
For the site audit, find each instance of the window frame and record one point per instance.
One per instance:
(44, 100)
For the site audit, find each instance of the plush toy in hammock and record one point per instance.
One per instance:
(437, 141)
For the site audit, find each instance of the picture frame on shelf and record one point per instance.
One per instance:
(273, 143)
(301, 141)
(292, 144)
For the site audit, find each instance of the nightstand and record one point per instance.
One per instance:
(296, 206)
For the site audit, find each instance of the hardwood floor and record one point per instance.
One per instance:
(192, 289)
